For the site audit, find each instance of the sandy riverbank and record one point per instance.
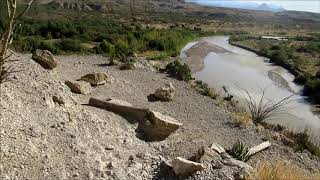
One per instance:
(197, 53)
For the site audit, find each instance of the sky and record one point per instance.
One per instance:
(298, 5)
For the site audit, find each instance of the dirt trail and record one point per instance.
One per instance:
(39, 140)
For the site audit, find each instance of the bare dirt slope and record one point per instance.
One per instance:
(44, 140)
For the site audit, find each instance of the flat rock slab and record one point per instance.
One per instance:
(154, 125)
(184, 167)
(120, 107)
(44, 58)
(95, 79)
(79, 87)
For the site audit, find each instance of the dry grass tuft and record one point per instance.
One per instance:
(242, 119)
(281, 171)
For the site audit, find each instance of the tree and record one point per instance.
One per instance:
(6, 37)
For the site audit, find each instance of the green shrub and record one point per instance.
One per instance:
(27, 44)
(106, 47)
(312, 88)
(71, 45)
(121, 47)
(50, 46)
(128, 64)
(205, 90)
(310, 47)
(158, 56)
(179, 70)
(227, 97)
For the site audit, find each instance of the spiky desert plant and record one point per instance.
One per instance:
(239, 151)
(262, 109)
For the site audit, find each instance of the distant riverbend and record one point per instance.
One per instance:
(237, 68)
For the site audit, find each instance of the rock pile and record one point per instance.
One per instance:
(83, 85)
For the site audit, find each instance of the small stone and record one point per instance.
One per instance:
(165, 93)
(72, 136)
(131, 158)
(140, 155)
(109, 148)
(276, 136)
(58, 99)
(109, 165)
(95, 79)
(49, 101)
(80, 87)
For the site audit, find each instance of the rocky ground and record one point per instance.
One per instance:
(41, 139)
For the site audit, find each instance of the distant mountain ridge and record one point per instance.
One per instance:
(190, 11)
(268, 7)
(240, 5)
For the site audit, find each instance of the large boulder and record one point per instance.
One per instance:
(165, 93)
(44, 58)
(95, 79)
(184, 167)
(157, 127)
(80, 87)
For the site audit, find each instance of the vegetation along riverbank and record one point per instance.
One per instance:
(299, 54)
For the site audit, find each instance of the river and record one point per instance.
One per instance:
(241, 69)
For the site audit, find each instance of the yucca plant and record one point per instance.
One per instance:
(239, 151)
(262, 109)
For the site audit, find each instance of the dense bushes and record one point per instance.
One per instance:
(310, 47)
(312, 88)
(107, 36)
(204, 89)
(179, 70)
(70, 45)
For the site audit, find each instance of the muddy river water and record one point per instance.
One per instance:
(241, 69)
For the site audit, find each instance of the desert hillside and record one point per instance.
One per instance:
(113, 90)
(49, 132)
